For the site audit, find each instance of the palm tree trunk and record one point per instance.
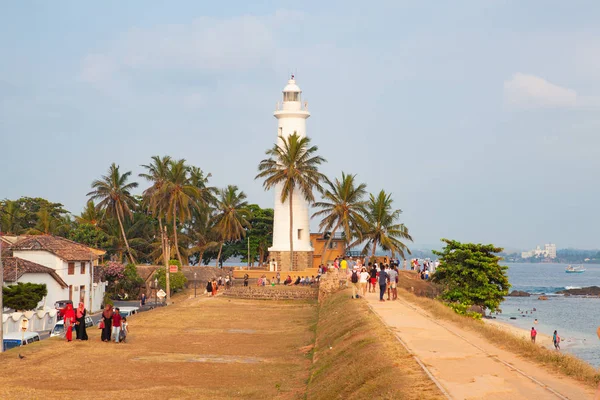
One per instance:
(175, 235)
(374, 248)
(291, 231)
(219, 255)
(125, 238)
(329, 242)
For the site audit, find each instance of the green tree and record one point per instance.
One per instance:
(382, 228)
(232, 216)
(294, 165)
(90, 235)
(23, 296)
(342, 207)
(470, 274)
(131, 281)
(116, 200)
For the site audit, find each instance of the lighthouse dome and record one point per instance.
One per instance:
(291, 86)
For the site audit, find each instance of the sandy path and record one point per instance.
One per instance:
(466, 365)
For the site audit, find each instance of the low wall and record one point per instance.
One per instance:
(272, 292)
(40, 320)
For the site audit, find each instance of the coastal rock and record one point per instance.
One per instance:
(586, 291)
(543, 298)
(477, 309)
(519, 293)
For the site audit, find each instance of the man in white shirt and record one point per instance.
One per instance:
(393, 274)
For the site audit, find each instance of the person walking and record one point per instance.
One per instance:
(107, 315)
(383, 280)
(214, 287)
(364, 281)
(533, 334)
(278, 277)
(143, 300)
(69, 322)
(556, 340)
(80, 328)
(393, 276)
(246, 277)
(354, 278)
(373, 279)
(117, 322)
(209, 287)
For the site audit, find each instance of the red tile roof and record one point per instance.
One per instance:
(59, 246)
(15, 267)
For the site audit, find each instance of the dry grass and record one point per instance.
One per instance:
(206, 348)
(356, 357)
(555, 361)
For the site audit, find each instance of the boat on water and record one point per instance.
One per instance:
(574, 270)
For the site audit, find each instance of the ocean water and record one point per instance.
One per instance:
(575, 318)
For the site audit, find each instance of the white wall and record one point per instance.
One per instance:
(78, 279)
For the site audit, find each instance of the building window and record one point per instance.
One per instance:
(71, 268)
(280, 131)
(299, 234)
(333, 245)
(82, 268)
(71, 292)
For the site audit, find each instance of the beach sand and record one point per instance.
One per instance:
(541, 340)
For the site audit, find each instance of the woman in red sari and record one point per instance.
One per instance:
(69, 321)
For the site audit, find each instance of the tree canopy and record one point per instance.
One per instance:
(470, 274)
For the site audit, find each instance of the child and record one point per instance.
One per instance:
(124, 330)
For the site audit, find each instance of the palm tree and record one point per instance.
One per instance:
(232, 217)
(342, 207)
(179, 197)
(382, 227)
(292, 164)
(89, 215)
(115, 197)
(11, 217)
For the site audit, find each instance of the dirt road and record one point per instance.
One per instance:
(465, 364)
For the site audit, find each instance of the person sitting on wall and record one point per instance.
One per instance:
(297, 281)
(288, 280)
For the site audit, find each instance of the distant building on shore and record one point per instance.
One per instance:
(549, 251)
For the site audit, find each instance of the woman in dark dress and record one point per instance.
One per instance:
(80, 324)
(107, 319)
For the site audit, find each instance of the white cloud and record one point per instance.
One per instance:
(530, 91)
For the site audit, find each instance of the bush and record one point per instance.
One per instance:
(177, 280)
(23, 296)
(463, 309)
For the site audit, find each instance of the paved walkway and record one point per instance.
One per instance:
(465, 364)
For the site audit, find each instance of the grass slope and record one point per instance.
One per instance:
(357, 357)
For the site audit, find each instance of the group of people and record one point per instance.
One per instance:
(555, 338)
(114, 326)
(75, 320)
(368, 278)
(425, 268)
(213, 286)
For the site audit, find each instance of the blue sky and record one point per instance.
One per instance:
(481, 117)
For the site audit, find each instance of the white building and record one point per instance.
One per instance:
(72, 263)
(291, 117)
(549, 251)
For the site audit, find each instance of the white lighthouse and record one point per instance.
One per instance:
(291, 117)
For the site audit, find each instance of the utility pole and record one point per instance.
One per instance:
(167, 256)
(1, 303)
(248, 251)
(91, 285)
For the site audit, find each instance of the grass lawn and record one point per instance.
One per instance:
(205, 348)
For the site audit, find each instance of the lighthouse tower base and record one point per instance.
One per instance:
(302, 260)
